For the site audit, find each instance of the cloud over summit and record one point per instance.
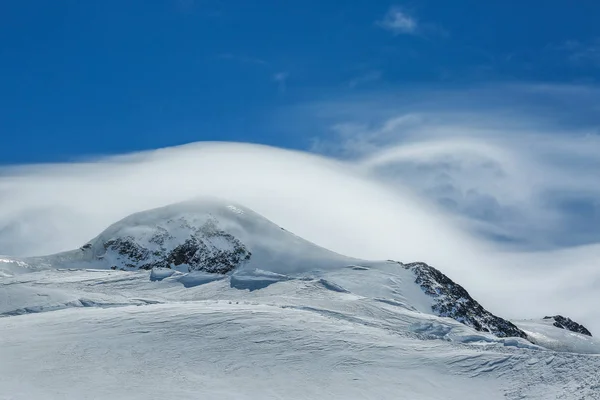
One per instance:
(503, 203)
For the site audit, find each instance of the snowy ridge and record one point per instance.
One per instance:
(228, 291)
(142, 339)
(544, 333)
(567, 323)
(453, 301)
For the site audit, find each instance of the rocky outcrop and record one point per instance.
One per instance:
(568, 324)
(203, 248)
(453, 301)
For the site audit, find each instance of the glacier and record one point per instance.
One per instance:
(208, 299)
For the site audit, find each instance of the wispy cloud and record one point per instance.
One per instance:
(510, 175)
(281, 79)
(399, 21)
(581, 53)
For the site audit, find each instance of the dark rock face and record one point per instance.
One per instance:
(207, 248)
(568, 324)
(453, 301)
(130, 250)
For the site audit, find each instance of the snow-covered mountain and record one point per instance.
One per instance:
(206, 234)
(235, 306)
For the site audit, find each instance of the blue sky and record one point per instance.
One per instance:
(87, 78)
(491, 110)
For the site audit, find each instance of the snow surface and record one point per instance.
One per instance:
(543, 333)
(295, 322)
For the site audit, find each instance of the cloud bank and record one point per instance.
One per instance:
(453, 186)
(508, 174)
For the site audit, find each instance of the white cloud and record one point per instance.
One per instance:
(272, 181)
(399, 22)
(510, 175)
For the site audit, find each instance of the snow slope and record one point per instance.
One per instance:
(544, 333)
(289, 321)
(120, 335)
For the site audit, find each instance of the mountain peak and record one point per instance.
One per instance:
(568, 324)
(453, 301)
(192, 236)
(204, 234)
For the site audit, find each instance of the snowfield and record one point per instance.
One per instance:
(290, 321)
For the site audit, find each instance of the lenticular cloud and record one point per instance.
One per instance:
(339, 205)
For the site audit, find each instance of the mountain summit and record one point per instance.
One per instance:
(228, 241)
(207, 234)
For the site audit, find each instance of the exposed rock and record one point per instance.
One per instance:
(133, 254)
(568, 324)
(206, 248)
(453, 301)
